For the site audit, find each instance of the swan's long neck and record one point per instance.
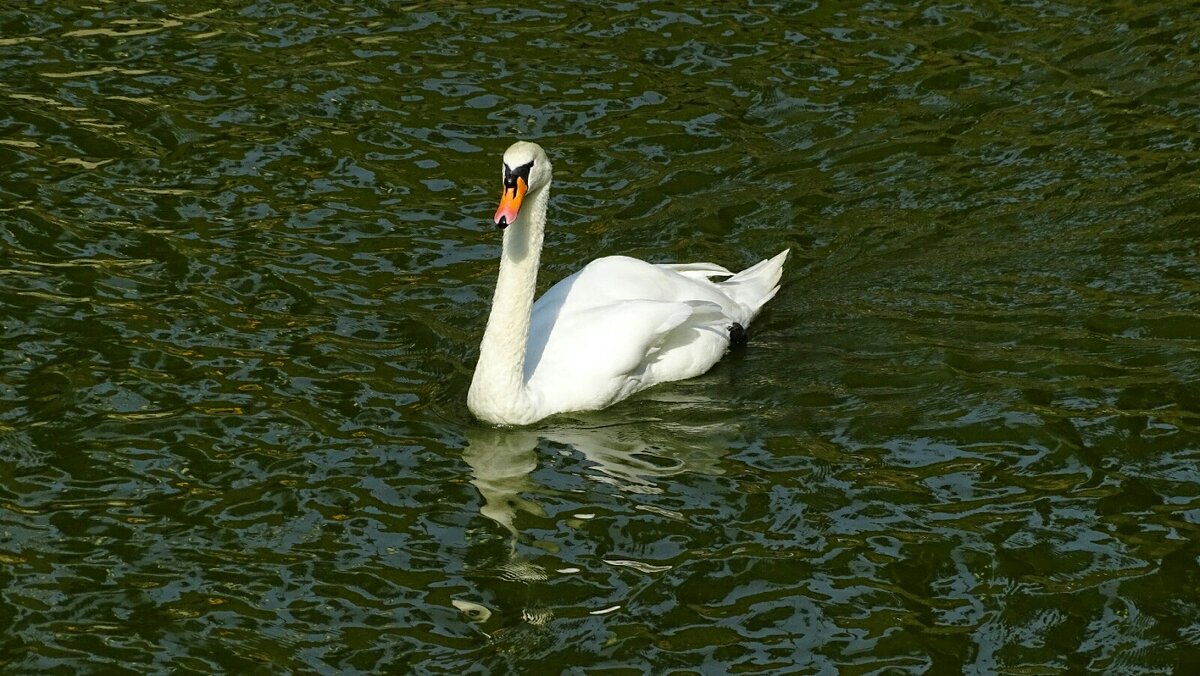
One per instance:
(498, 393)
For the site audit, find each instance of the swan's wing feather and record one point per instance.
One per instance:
(601, 354)
(616, 279)
(697, 270)
(606, 340)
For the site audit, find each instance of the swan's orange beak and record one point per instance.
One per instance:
(510, 203)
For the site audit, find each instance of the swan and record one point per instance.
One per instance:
(614, 328)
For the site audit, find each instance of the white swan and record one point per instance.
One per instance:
(617, 326)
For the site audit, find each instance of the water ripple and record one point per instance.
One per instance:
(245, 257)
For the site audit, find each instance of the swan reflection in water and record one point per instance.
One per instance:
(636, 458)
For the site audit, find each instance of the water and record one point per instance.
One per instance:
(247, 257)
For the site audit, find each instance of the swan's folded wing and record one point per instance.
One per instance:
(613, 341)
(606, 340)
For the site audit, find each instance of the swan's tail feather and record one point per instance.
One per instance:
(755, 285)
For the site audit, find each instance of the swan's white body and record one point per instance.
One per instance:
(617, 326)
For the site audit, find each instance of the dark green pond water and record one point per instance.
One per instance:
(246, 258)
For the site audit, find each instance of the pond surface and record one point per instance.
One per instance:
(246, 257)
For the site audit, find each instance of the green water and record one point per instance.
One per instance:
(246, 257)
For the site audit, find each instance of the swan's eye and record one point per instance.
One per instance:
(511, 175)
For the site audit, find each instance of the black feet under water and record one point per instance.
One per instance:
(737, 335)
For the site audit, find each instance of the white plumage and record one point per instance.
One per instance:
(617, 326)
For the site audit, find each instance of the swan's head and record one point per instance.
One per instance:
(526, 170)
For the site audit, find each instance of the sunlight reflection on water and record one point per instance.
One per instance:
(245, 259)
